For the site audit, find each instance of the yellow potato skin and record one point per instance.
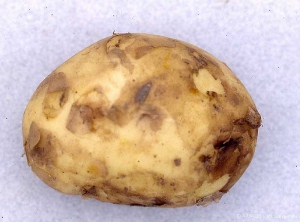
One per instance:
(144, 120)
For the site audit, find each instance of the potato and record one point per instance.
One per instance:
(144, 120)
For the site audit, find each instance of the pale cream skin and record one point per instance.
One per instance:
(143, 120)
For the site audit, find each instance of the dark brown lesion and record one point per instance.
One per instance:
(177, 161)
(252, 119)
(227, 156)
(207, 162)
(124, 60)
(80, 119)
(160, 181)
(212, 94)
(114, 51)
(205, 201)
(142, 93)
(41, 146)
(153, 115)
(89, 108)
(57, 82)
(56, 95)
(197, 61)
(160, 201)
(217, 108)
(232, 142)
(148, 44)
(143, 50)
(144, 45)
(89, 191)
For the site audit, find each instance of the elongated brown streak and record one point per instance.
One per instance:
(142, 93)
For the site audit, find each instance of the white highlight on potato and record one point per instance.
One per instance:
(205, 82)
(210, 188)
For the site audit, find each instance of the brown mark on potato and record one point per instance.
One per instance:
(198, 62)
(80, 119)
(151, 44)
(217, 108)
(153, 115)
(57, 82)
(123, 59)
(118, 115)
(212, 94)
(177, 162)
(160, 42)
(205, 201)
(160, 201)
(32, 140)
(113, 50)
(89, 192)
(252, 119)
(160, 181)
(143, 50)
(142, 93)
(97, 169)
(227, 156)
(207, 162)
(42, 146)
(56, 95)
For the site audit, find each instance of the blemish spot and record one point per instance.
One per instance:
(229, 143)
(194, 90)
(161, 181)
(159, 201)
(80, 119)
(89, 191)
(177, 161)
(217, 108)
(252, 118)
(142, 93)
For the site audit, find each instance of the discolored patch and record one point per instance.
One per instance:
(97, 169)
(160, 181)
(228, 143)
(34, 136)
(227, 156)
(152, 116)
(177, 162)
(113, 51)
(207, 162)
(205, 201)
(160, 201)
(42, 147)
(89, 192)
(160, 42)
(80, 119)
(252, 119)
(142, 93)
(57, 82)
(118, 116)
(56, 96)
(212, 94)
(198, 61)
(143, 50)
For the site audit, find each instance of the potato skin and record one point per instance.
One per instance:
(144, 120)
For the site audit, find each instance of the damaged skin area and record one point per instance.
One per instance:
(141, 120)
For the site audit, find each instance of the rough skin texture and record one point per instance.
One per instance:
(142, 120)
